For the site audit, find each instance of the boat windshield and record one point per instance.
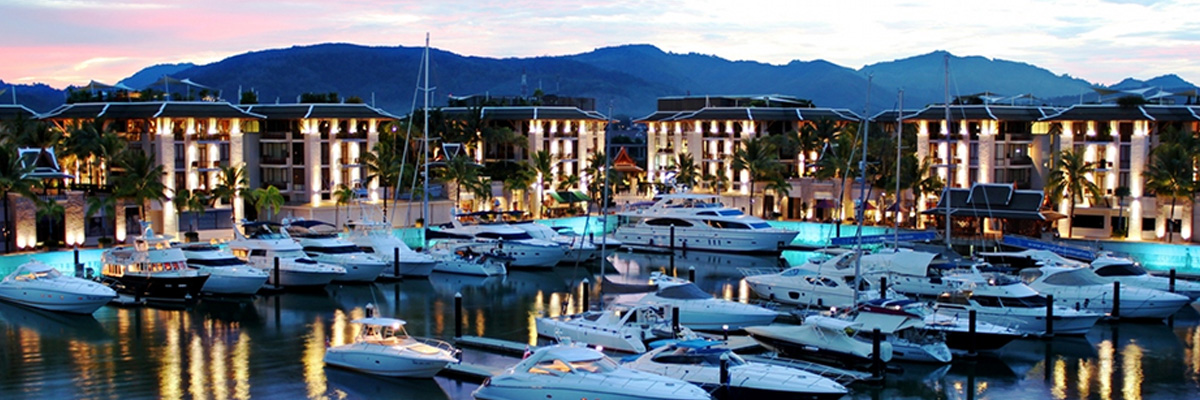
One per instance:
(1075, 277)
(598, 366)
(1024, 302)
(686, 291)
(760, 225)
(343, 249)
(505, 236)
(26, 276)
(285, 254)
(707, 358)
(1121, 270)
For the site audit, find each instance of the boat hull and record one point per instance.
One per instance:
(467, 267)
(54, 300)
(610, 339)
(359, 272)
(706, 239)
(382, 364)
(1029, 323)
(165, 288)
(291, 278)
(491, 391)
(233, 285)
(413, 269)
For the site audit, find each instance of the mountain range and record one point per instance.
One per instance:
(628, 79)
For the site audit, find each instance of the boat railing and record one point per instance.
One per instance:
(755, 271)
(841, 376)
(438, 344)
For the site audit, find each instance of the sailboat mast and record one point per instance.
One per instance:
(604, 200)
(899, 141)
(425, 140)
(949, 160)
(862, 193)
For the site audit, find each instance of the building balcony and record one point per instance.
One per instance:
(275, 135)
(352, 136)
(273, 160)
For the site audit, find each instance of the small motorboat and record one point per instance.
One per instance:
(698, 362)
(226, 274)
(699, 310)
(617, 328)
(384, 348)
(571, 371)
(822, 339)
(904, 330)
(38, 285)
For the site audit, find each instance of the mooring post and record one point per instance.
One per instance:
(1116, 307)
(692, 274)
(725, 333)
(883, 287)
(458, 315)
(725, 372)
(586, 286)
(1172, 280)
(672, 239)
(276, 271)
(675, 321)
(79, 267)
(972, 349)
(396, 262)
(876, 358)
(1049, 315)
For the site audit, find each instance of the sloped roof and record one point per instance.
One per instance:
(525, 113)
(43, 162)
(318, 110)
(147, 110)
(12, 111)
(984, 200)
(624, 163)
(754, 114)
(983, 112)
(1115, 112)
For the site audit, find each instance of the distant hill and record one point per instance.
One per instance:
(628, 78)
(148, 75)
(37, 97)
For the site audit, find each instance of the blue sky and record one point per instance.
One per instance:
(62, 42)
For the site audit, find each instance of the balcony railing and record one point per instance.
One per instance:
(274, 135)
(274, 160)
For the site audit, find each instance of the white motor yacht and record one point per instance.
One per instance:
(568, 371)
(263, 242)
(1005, 301)
(824, 339)
(321, 243)
(1082, 289)
(617, 328)
(699, 362)
(226, 274)
(38, 285)
(384, 348)
(1129, 272)
(905, 331)
(377, 239)
(700, 222)
(699, 310)
(151, 269)
(955, 330)
(578, 248)
(820, 285)
(458, 258)
(526, 251)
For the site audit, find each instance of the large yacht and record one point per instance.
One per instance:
(226, 274)
(1003, 300)
(486, 234)
(1108, 266)
(321, 242)
(1081, 288)
(38, 285)
(701, 223)
(568, 371)
(151, 269)
(377, 239)
(263, 242)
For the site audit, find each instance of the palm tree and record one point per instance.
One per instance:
(382, 163)
(268, 198)
(463, 171)
(819, 135)
(569, 182)
(50, 209)
(106, 205)
(194, 201)
(686, 170)
(780, 186)
(230, 187)
(342, 196)
(757, 156)
(520, 179)
(140, 180)
(543, 165)
(1170, 174)
(13, 179)
(1121, 193)
(717, 182)
(1069, 179)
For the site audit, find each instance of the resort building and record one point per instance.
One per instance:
(191, 140)
(710, 128)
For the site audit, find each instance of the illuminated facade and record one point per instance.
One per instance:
(191, 140)
(1019, 145)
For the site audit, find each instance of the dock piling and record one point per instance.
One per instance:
(586, 288)
(971, 321)
(1116, 307)
(458, 309)
(1172, 280)
(396, 262)
(277, 284)
(883, 287)
(1049, 315)
(876, 358)
(692, 274)
(675, 321)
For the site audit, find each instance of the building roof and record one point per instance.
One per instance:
(624, 163)
(318, 110)
(753, 114)
(12, 111)
(890, 115)
(525, 113)
(147, 110)
(1115, 112)
(983, 112)
(43, 164)
(995, 200)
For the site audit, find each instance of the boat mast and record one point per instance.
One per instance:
(604, 202)
(946, 138)
(425, 142)
(862, 193)
(899, 140)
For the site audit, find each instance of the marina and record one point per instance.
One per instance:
(273, 345)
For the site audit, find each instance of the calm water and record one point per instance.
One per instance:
(272, 346)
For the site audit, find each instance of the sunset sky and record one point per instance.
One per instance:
(65, 42)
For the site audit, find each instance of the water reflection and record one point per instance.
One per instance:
(352, 385)
(313, 358)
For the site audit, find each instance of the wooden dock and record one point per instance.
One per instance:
(470, 372)
(494, 345)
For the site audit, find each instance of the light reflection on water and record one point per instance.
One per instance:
(273, 346)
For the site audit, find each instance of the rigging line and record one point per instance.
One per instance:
(404, 157)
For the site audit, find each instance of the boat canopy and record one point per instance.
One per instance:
(687, 291)
(33, 270)
(381, 321)
(572, 354)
